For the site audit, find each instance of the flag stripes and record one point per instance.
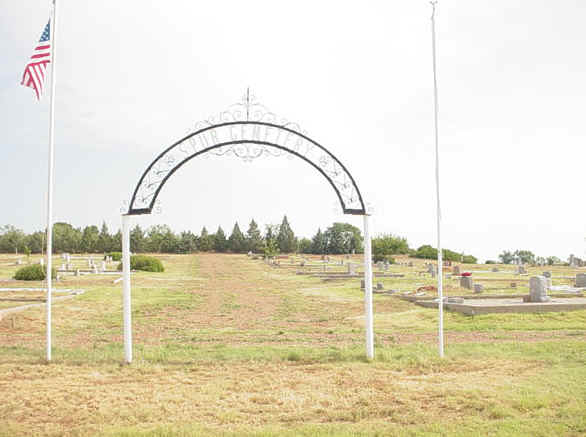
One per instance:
(34, 72)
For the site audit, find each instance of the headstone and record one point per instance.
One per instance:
(386, 266)
(63, 267)
(42, 261)
(68, 258)
(89, 262)
(581, 280)
(76, 272)
(513, 285)
(351, 268)
(95, 269)
(456, 270)
(466, 282)
(347, 256)
(410, 263)
(454, 300)
(379, 286)
(103, 265)
(362, 286)
(522, 270)
(495, 269)
(538, 289)
(478, 288)
(68, 266)
(18, 262)
(547, 274)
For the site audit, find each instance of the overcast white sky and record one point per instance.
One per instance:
(134, 75)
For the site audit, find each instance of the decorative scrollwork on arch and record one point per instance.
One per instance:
(246, 130)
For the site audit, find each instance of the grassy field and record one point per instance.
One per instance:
(229, 346)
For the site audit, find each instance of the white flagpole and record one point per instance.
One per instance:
(440, 272)
(53, 30)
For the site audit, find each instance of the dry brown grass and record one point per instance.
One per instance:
(230, 344)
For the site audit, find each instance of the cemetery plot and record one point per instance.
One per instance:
(229, 345)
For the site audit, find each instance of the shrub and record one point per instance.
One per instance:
(469, 259)
(35, 272)
(382, 258)
(144, 263)
(490, 261)
(388, 244)
(116, 256)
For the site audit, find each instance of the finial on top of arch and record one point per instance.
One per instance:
(247, 109)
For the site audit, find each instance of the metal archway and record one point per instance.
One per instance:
(246, 130)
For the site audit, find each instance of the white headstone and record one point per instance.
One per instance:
(351, 268)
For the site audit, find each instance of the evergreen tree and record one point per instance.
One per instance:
(318, 243)
(254, 241)
(187, 242)
(286, 238)
(36, 242)
(12, 240)
(304, 245)
(236, 242)
(220, 242)
(116, 242)
(103, 244)
(66, 238)
(270, 239)
(206, 241)
(161, 239)
(89, 239)
(137, 240)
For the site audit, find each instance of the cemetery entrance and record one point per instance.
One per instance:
(246, 130)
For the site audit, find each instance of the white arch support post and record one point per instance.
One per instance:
(368, 322)
(440, 273)
(126, 288)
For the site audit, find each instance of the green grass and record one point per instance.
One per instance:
(226, 346)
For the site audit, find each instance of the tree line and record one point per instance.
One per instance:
(339, 238)
(522, 256)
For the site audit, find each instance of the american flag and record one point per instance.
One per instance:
(34, 73)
